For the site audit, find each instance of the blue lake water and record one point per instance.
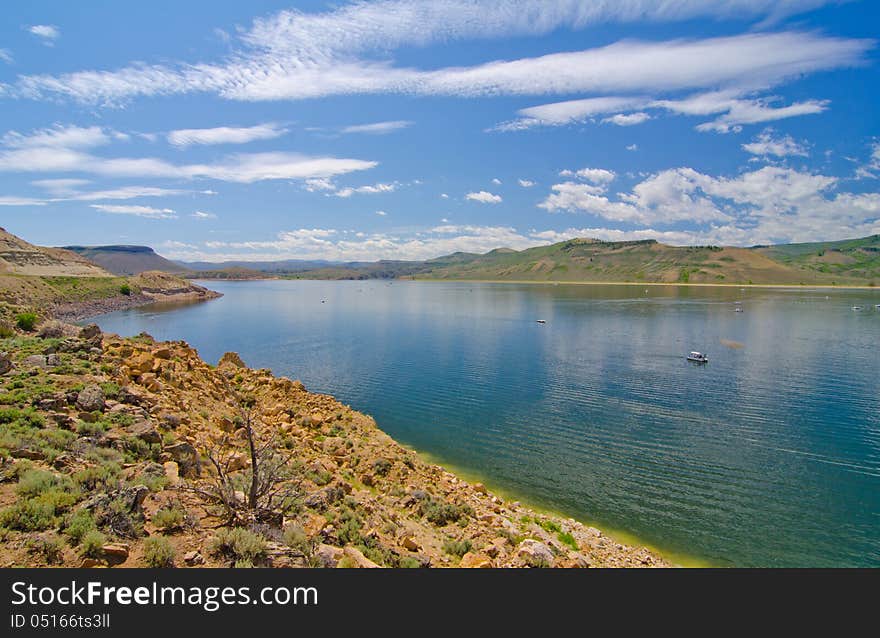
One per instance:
(769, 455)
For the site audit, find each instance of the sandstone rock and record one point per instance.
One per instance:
(115, 552)
(472, 560)
(162, 353)
(535, 553)
(171, 421)
(90, 399)
(237, 461)
(328, 556)
(407, 542)
(91, 562)
(51, 330)
(26, 453)
(42, 361)
(132, 395)
(145, 431)
(90, 332)
(231, 359)
(172, 472)
(359, 559)
(141, 363)
(5, 363)
(186, 456)
(480, 488)
(193, 558)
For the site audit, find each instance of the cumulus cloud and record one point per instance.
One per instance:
(526, 183)
(769, 205)
(6, 56)
(138, 211)
(225, 135)
(766, 144)
(378, 128)
(594, 175)
(381, 213)
(484, 197)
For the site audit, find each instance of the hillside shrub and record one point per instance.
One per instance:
(26, 321)
(158, 552)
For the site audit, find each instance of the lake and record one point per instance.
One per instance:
(769, 455)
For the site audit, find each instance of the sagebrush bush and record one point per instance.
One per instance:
(50, 547)
(442, 514)
(240, 544)
(78, 524)
(99, 477)
(26, 321)
(29, 515)
(91, 543)
(158, 552)
(457, 548)
(35, 482)
(169, 518)
(6, 330)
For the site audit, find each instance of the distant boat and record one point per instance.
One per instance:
(541, 320)
(857, 307)
(738, 309)
(697, 357)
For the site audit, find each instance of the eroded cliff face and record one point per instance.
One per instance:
(18, 257)
(130, 452)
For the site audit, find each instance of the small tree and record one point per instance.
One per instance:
(264, 486)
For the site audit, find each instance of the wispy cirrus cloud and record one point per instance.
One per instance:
(47, 33)
(373, 189)
(766, 144)
(137, 211)
(298, 55)
(183, 138)
(378, 128)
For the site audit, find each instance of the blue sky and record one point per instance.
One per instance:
(404, 129)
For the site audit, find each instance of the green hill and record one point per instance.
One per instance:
(851, 258)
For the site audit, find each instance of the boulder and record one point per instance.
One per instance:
(193, 558)
(90, 399)
(409, 543)
(361, 561)
(90, 332)
(5, 362)
(51, 330)
(162, 353)
(172, 472)
(145, 431)
(237, 461)
(231, 359)
(328, 556)
(44, 361)
(187, 458)
(480, 488)
(115, 552)
(535, 553)
(473, 560)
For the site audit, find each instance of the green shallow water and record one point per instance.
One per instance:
(767, 456)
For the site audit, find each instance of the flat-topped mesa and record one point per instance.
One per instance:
(352, 496)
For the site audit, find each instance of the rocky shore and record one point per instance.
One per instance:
(130, 452)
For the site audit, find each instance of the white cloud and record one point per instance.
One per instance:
(21, 201)
(444, 196)
(6, 56)
(871, 169)
(594, 175)
(378, 128)
(484, 197)
(632, 147)
(526, 183)
(240, 168)
(319, 184)
(765, 144)
(496, 181)
(568, 112)
(769, 205)
(225, 135)
(296, 55)
(138, 211)
(200, 214)
(60, 136)
(381, 213)
(47, 32)
(630, 119)
(375, 189)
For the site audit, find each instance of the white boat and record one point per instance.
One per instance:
(857, 307)
(541, 320)
(737, 309)
(697, 357)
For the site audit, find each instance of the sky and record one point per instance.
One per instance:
(406, 129)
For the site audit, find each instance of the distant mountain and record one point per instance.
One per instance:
(282, 266)
(127, 260)
(18, 257)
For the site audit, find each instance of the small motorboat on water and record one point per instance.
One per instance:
(738, 309)
(857, 308)
(541, 320)
(697, 357)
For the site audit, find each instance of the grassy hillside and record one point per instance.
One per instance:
(859, 258)
(636, 261)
